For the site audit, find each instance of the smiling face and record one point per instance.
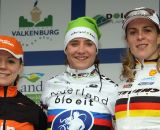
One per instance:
(81, 53)
(10, 67)
(142, 39)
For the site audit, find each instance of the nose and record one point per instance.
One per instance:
(140, 35)
(2, 64)
(81, 48)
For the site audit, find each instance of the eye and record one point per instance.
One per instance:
(11, 61)
(132, 32)
(73, 43)
(89, 43)
(148, 30)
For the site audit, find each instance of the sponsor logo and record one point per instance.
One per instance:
(33, 77)
(6, 127)
(33, 88)
(63, 96)
(137, 91)
(109, 18)
(73, 120)
(101, 20)
(6, 42)
(93, 86)
(153, 72)
(36, 28)
(147, 81)
(34, 85)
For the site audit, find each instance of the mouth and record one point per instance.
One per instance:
(141, 46)
(2, 75)
(81, 58)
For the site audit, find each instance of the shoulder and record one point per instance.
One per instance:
(34, 113)
(108, 80)
(27, 101)
(56, 78)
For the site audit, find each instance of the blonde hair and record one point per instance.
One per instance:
(129, 62)
(128, 65)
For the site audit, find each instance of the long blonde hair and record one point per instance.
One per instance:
(129, 63)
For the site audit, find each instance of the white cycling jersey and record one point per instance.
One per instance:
(77, 100)
(138, 105)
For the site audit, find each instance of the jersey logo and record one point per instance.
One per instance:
(73, 120)
(93, 86)
(7, 127)
(152, 72)
(147, 81)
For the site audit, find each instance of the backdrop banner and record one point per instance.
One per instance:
(40, 26)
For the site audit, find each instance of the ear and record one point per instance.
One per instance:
(20, 69)
(158, 39)
(126, 42)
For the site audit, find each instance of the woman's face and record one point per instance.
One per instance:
(142, 39)
(81, 53)
(10, 67)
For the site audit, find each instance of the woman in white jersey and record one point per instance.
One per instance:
(138, 105)
(80, 98)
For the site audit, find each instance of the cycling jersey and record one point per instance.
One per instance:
(77, 100)
(17, 112)
(138, 105)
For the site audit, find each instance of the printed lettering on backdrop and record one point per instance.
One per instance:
(39, 25)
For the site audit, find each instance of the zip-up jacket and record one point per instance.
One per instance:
(77, 100)
(138, 105)
(17, 112)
